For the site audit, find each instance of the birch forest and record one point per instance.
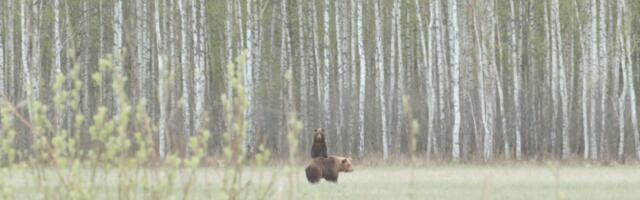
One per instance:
(460, 80)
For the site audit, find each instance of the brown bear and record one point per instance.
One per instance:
(328, 168)
(319, 146)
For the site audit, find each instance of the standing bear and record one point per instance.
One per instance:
(319, 146)
(328, 168)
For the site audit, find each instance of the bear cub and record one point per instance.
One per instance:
(319, 146)
(328, 168)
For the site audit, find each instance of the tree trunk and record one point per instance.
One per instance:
(2, 59)
(516, 79)
(248, 81)
(363, 78)
(603, 72)
(555, 7)
(10, 86)
(455, 79)
(622, 64)
(198, 63)
(380, 82)
(118, 37)
(185, 66)
(26, 74)
(593, 142)
(326, 77)
(340, 55)
(400, 120)
(631, 89)
(303, 68)
(427, 69)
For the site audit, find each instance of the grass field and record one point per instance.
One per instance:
(434, 182)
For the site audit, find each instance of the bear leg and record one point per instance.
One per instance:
(313, 174)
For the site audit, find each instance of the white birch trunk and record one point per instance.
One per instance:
(482, 64)
(57, 54)
(603, 72)
(399, 107)
(551, 75)
(380, 82)
(2, 59)
(393, 92)
(118, 36)
(594, 79)
(163, 75)
(353, 84)
(228, 31)
(286, 92)
(199, 74)
(118, 25)
(184, 63)
(10, 88)
(622, 64)
(316, 55)
(241, 27)
(26, 74)
(326, 78)
(248, 81)
(631, 89)
(303, 67)
(439, 68)
(583, 33)
(363, 78)
(516, 80)
(57, 41)
(141, 37)
(555, 7)
(340, 55)
(36, 52)
(455, 79)
(426, 68)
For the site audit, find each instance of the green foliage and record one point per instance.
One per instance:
(115, 163)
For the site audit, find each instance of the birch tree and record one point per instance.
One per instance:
(630, 85)
(10, 61)
(185, 65)
(163, 74)
(199, 70)
(426, 68)
(248, 81)
(584, 62)
(515, 62)
(286, 91)
(603, 56)
(620, 56)
(228, 27)
(555, 7)
(341, 53)
(380, 82)
(143, 71)
(363, 76)
(118, 52)
(57, 51)
(326, 78)
(593, 144)
(302, 56)
(26, 74)
(397, 4)
(2, 59)
(455, 79)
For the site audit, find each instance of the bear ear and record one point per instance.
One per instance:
(322, 129)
